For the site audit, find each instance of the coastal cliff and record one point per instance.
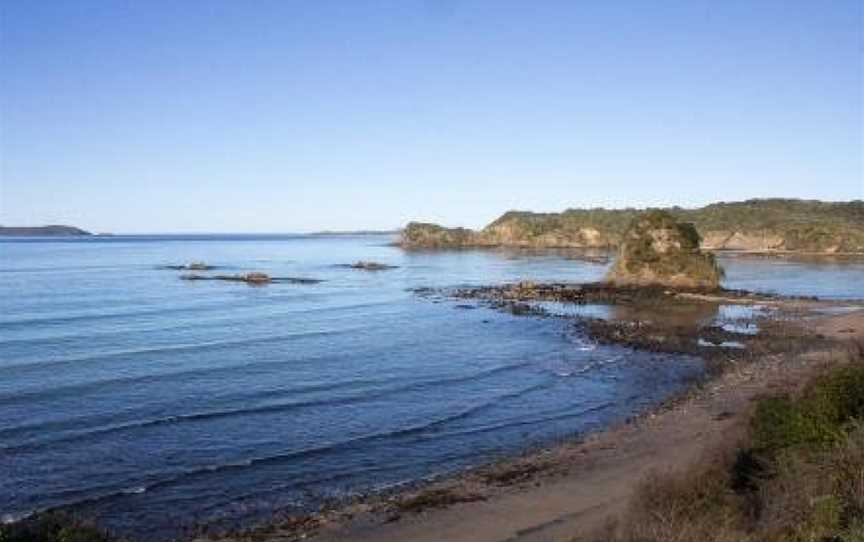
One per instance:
(759, 225)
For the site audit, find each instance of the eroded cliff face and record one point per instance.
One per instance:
(657, 250)
(754, 225)
(810, 240)
(733, 240)
(511, 233)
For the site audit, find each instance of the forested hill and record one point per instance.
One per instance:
(762, 225)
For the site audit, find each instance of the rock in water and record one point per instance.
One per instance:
(253, 277)
(257, 278)
(657, 250)
(371, 266)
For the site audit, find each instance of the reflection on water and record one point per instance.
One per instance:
(682, 315)
(825, 277)
(732, 318)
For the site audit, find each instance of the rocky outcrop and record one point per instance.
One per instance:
(657, 250)
(767, 225)
(422, 235)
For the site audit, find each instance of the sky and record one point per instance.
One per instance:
(291, 116)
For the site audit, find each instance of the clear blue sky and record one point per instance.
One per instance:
(273, 116)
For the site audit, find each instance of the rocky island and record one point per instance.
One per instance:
(757, 225)
(657, 250)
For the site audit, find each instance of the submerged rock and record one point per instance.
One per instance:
(191, 266)
(254, 278)
(371, 266)
(657, 250)
(251, 278)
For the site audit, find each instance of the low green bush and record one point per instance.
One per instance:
(818, 417)
(52, 527)
(797, 477)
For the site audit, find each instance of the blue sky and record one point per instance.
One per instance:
(274, 116)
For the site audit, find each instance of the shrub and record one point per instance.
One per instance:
(52, 527)
(819, 417)
(799, 477)
(695, 505)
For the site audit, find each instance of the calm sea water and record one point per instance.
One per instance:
(150, 403)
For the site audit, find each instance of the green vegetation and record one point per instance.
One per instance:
(758, 224)
(614, 221)
(808, 226)
(423, 235)
(775, 213)
(798, 476)
(52, 527)
(817, 418)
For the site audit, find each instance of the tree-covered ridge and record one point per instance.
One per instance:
(758, 224)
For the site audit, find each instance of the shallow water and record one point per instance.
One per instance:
(149, 402)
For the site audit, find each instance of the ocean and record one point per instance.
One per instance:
(152, 404)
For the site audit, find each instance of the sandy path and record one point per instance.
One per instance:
(602, 472)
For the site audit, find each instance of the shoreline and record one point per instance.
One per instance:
(611, 250)
(551, 492)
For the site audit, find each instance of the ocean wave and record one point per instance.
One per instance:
(27, 323)
(196, 312)
(530, 421)
(203, 317)
(80, 497)
(189, 347)
(209, 470)
(588, 367)
(263, 409)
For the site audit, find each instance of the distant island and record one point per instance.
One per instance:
(39, 231)
(756, 225)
